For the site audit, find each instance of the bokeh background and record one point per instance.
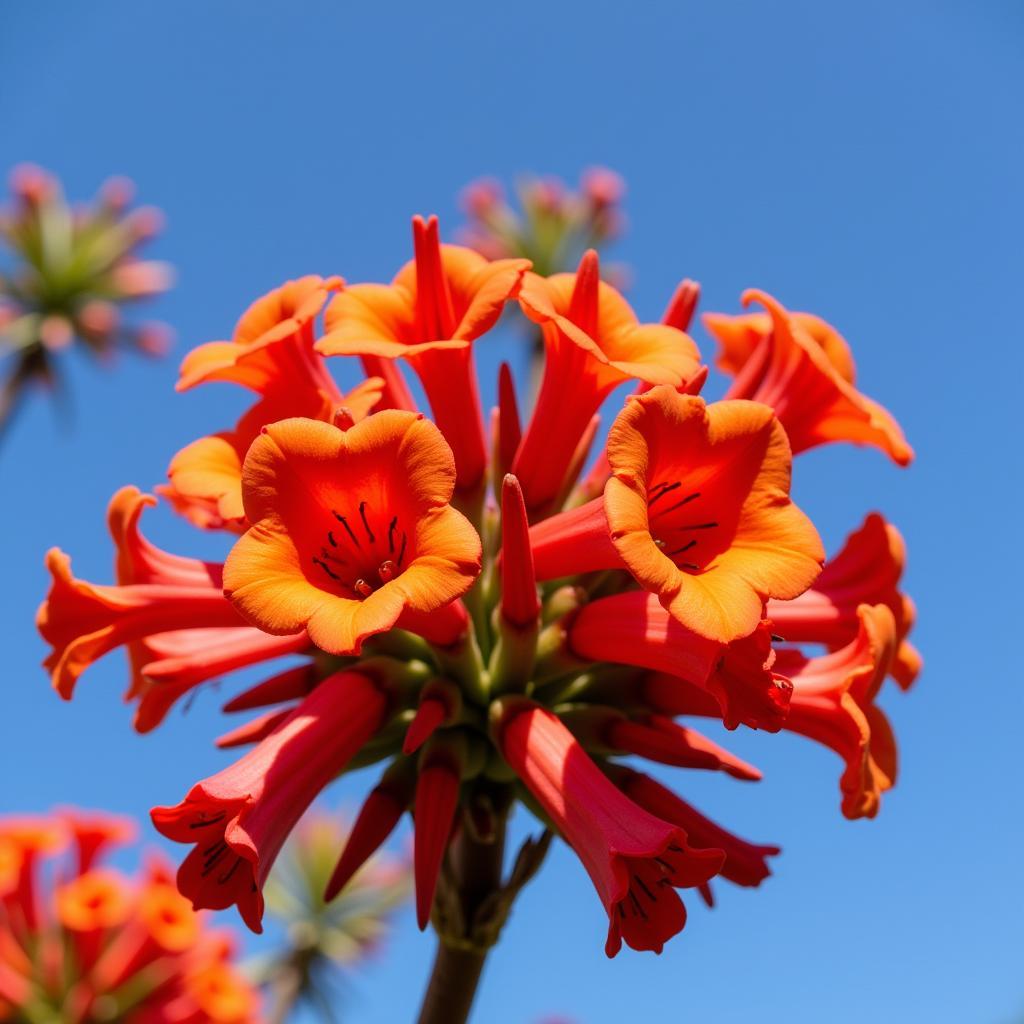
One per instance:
(861, 161)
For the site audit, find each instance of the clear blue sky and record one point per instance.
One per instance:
(862, 161)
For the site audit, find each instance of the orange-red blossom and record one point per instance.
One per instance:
(82, 942)
(523, 646)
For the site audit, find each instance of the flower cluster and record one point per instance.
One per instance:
(71, 272)
(82, 942)
(480, 612)
(554, 225)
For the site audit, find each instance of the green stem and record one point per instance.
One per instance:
(459, 962)
(285, 992)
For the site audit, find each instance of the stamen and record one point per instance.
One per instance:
(348, 529)
(650, 895)
(682, 502)
(362, 588)
(211, 862)
(685, 547)
(366, 525)
(227, 875)
(387, 571)
(636, 904)
(664, 489)
(327, 569)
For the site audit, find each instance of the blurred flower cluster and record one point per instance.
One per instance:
(553, 225)
(81, 943)
(68, 275)
(328, 932)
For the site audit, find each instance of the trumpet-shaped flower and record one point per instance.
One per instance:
(240, 818)
(635, 860)
(809, 383)
(437, 305)
(273, 339)
(350, 529)
(593, 342)
(697, 509)
(867, 570)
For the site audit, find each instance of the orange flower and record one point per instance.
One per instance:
(170, 611)
(831, 700)
(206, 476)
(697, 508)
(90, 944)
(272, 340)
(739, 336)
(634, 629)
(593, 342)
(436, 306)
(351, 529)
(221, 995)
(834, 704)
(867, 570)
(83, 621)
(809, 385)
(96, 899)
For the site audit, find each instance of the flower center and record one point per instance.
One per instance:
(360, 558)
(676, 532)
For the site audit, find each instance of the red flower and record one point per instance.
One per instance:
(809, 384)
(430, 314)
(635, 860)
(634, 629)
(867, 570)
(593, 342)
(240, 817)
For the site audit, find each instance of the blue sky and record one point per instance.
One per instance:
(861, 161)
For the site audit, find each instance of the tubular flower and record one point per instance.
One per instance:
(206, 475)
(96, 945)
(593, 342)
(634, 629)
(272, 339)
(806, 376)
(437, 305)
(169, 611)
(697, 508)
(240, 818)
(483, 629)
(867, 570)
(635, 860)
(351, 529)
(745, 863)
(739, 336)
(834, 704)
(71, 274)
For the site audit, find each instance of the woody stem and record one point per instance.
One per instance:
(458, 965)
